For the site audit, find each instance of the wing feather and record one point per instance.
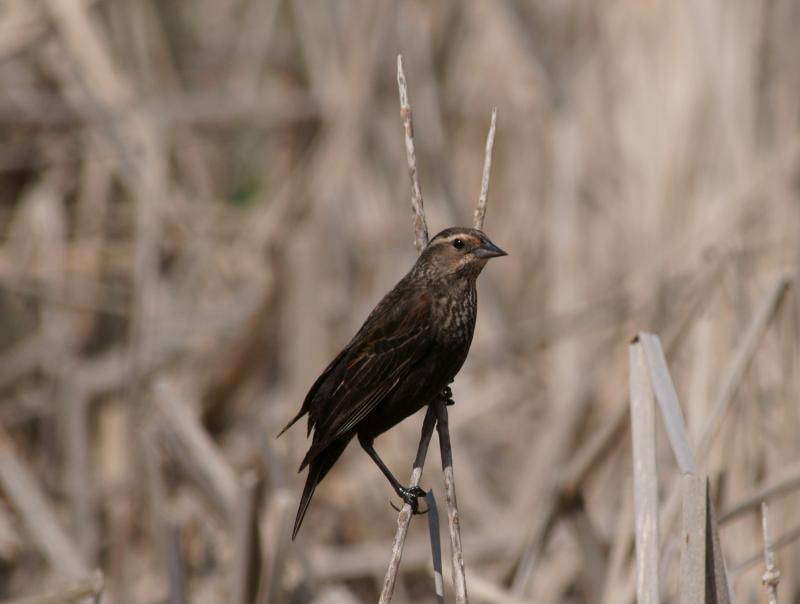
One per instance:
(383, 353)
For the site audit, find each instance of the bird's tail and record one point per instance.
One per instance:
(300, 414)
(317, 470)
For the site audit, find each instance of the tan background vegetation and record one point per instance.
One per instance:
(201, 201)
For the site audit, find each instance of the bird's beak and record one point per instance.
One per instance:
(488, 250)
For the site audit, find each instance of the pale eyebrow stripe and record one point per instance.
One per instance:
(449, 238)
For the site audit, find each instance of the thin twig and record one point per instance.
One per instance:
(787, 481)
(420, 226)
(772, 575)
(745, 352)
(480, 210)
(459, 577)
(404, 518)
(784, 540)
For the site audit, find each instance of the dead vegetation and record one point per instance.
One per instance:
(201, 201)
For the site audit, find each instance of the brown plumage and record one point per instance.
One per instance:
(409, 349)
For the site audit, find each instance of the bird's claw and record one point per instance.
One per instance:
(411, 496)
(446, 395)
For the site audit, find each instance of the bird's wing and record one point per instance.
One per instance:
(392, 341)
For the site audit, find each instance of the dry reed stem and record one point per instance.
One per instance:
(694, 540)
(571, 481)
(719, 577)
(480, 209)
(653, 379)
(275, 543)
(667, 398)
(30, 503)
(703, 577)
(162, 523)
(645, 478)
(732, 377)
(697, 507)
(453, 520)
(244, 578)
(436, 546)
(417, 207)
(702, 565)
(203, 458)
(772, 575)
(421, 240)
(404, 518)
(742, 358)
(440, 411)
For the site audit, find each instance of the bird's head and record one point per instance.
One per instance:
(458, 251)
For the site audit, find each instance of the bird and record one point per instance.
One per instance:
(404, 356)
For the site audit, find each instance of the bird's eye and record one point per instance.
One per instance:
(458, 244)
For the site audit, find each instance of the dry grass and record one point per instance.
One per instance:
(201, 201)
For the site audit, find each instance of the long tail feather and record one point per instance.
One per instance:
(308, 491)
(316, 472)
(294, 420)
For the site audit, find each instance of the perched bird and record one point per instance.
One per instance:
(407, 352)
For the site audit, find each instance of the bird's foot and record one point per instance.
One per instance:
(446, 395)
(411, 495)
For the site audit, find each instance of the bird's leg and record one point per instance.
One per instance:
(446, 395)
(408, 494)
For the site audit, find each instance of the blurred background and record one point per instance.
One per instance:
(201, 201)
